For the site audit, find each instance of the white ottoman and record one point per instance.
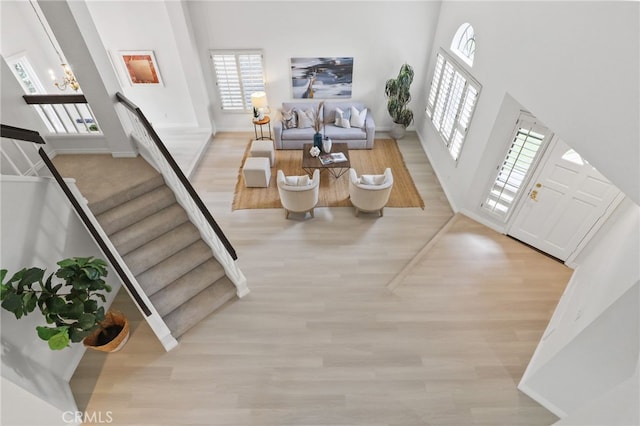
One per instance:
(263, 148)
(256, 172)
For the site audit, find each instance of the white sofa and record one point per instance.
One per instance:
(354, 137)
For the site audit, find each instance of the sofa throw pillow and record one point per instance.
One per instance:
(289, 119)
(296, 180)
(342, 118)
(305, 118)
(357, 117)
(372, 179)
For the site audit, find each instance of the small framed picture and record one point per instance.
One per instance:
(141, 67)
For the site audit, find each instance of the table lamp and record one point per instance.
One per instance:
(260, 105)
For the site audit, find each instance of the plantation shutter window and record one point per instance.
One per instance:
(527, 140)
(451, 102)
(238, 75)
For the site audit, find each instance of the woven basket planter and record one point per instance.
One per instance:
(95, 340)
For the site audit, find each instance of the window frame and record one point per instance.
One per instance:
(529, 123)
(46, 112)
(246, 82)
(23, 60)
(456, 135)
(463, 37)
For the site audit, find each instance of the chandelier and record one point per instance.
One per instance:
(68, 80)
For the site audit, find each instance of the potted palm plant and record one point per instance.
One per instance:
(72, 307)
(397, 90)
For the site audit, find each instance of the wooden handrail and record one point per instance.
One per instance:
(54, 99)
(94, 232)
(20, 134)
(176, 169)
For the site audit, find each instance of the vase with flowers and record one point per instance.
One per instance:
(317, 125)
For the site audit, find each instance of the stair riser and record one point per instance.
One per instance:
(163, 274)
(187, 286)
(124, 196)
(126, 214)
(148, 229)
(200, 306)
(161, 248)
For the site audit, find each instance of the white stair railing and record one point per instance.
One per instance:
(157, 154)
(70, 114)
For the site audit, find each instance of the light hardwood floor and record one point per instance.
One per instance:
(321, 340)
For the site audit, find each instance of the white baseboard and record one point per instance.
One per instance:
(541, 400)
(125, 154)
(443, 183)
(73, 151)
(484, 221)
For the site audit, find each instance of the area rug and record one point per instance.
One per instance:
(334, 192)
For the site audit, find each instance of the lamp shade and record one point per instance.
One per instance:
(259, 100)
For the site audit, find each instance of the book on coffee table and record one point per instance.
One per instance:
(335, 157)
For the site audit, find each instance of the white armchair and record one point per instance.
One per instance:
(370, 193)
(298, 194)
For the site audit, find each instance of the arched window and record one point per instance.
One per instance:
(464, 43)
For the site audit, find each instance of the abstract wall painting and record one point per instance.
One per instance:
(321, 78)
(141, 67)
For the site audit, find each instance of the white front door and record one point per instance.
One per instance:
(566, 198)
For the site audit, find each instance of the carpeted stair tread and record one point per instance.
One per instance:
(123, 215)
(200, 306)
(187, 286)
(172, 268)
(101, 206)
(149, 228)
(159, 249)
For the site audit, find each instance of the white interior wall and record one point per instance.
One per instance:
(146, 25)
(380, 36)
(73, 27)
(584, 371)
(181, 28)
(617, 407)
(151, 25)
(23, 34)
(608, 267)
(34, 411)
(39, 228)
(591, 343)
(554, 59)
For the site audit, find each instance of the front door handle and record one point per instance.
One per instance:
(534, 192)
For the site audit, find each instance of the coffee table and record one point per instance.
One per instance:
(309, 163)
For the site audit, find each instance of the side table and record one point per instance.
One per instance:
(266, 120)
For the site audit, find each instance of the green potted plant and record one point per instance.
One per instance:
(397, 90)
(257, 114)
(71, 306)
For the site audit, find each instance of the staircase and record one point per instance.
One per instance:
(180, 266)
(165, 253)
